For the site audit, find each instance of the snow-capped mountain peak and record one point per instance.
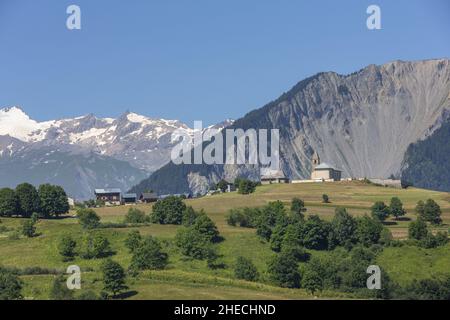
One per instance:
(142, 141)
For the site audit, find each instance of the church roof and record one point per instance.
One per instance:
(324, 166)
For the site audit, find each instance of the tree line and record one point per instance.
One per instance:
(46, 201)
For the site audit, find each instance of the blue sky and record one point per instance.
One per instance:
(197, 60)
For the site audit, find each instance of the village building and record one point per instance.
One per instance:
(274, 177)
(129, 198)
(324, 171)
(148, 197)
(111, 196)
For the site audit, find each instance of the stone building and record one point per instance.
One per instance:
(323, 171)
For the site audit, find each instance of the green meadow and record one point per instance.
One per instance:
(192, 279)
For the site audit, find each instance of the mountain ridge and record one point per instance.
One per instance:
(362, 122)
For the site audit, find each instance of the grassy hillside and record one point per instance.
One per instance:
(191, 279)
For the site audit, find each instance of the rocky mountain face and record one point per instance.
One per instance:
(427, 162)
(361, 123)
(86, 152)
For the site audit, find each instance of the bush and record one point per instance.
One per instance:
(246, 218)
(432, 212)
(343, 228)
(396, 208)
(28, 228)
(298, 208)
(431, 241)
(386, 237)
(380, 211)
(245, 270)
(133, 240)
(283, 270)
(189, 216)
(135, 216)
(96, 246)
(417, 230)
(168, 211)
(368, 230)
(205, 226)
(113, 277)
(10, 286)
(88, 218)
(66, 247)
(246, 186)
(193, 244)
(149, 255)
(311, 279)
(315, 233)
(325, 198)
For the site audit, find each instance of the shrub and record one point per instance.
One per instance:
(380, 211)
(113, 277)
(189, 216)
(368, 230)
(10, 285)
(88, 218)
(311, 279)
(386, 237)
(315, 233)
(246, 218)
(396, 208)
(298, 208)
(135, 216)
(283, 270)
(343, 228)
(205, 226)
(246, 186)
(325, 198)
(66, 247)
(417, 230)
(431, 241)
(432, 212)
(192, 243)
(96, 246)
(245, 269)
(168, 211)
(149, 255)
(28, 228)
(133, 240)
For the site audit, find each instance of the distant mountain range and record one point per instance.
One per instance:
(362, 123)
(379, 121)
(86, 152)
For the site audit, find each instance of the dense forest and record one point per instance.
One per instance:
(427, 162)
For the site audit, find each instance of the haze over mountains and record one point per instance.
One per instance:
(361, 123)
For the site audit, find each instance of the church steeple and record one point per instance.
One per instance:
(315, 159)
